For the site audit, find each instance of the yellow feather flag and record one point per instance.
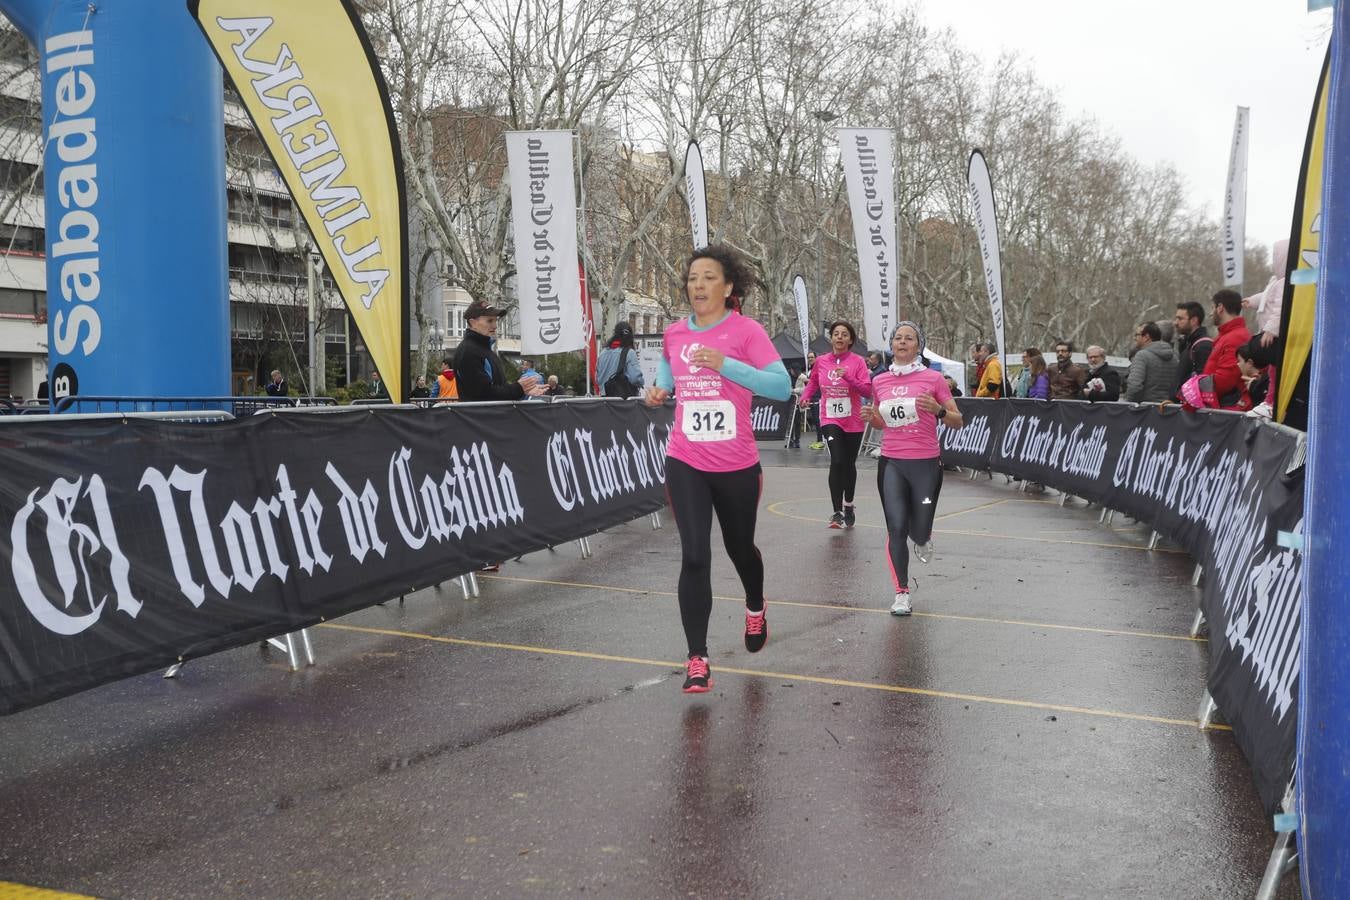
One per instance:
(308, 77)
(1300, 285)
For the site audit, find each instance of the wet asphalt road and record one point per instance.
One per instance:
(1028, 733)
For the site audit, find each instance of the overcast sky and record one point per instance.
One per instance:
(1166, 76)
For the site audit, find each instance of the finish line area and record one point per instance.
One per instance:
(1030, 731)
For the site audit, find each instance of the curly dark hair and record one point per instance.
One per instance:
(852, 332)
(734, 269)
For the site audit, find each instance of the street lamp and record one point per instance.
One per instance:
(313, 263)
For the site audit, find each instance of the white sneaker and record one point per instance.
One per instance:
(901, 605)
(924, 551)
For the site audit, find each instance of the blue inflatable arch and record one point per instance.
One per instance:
(134, 166)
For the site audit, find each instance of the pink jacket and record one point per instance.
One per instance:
(842, 381)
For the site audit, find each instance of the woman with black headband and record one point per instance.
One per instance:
(908, 400)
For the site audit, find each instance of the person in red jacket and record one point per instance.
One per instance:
(1222, 363)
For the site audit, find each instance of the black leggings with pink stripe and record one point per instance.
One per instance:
(694, 496)
(909, 491)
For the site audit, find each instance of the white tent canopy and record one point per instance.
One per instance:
(954, 368)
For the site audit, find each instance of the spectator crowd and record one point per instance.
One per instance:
(1199, 359)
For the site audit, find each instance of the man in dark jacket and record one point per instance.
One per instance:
(1103, 382)
(1066, 377)
(1193, 342)
(277, 386)
(479, 372)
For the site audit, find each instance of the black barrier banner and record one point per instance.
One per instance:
(1220, 486)
(770, 418)
(135, 543)
(972, 445)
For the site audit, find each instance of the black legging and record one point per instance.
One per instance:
(843, 463)
(909, 491)
(694, 495)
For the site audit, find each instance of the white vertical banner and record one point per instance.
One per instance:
(696, 194)
(866, 155)
(544, 228)
(803, 316)
(1235, 202)
(986, 229)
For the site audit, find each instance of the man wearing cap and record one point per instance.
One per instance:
(479, 372)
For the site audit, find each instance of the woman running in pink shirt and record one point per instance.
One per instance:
(908, 400)
(714, 362)
(842, 380)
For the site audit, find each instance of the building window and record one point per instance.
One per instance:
(22, 239)
(28, 304)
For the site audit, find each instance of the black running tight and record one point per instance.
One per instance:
(909, 494)
(843, 463)
(694, 496)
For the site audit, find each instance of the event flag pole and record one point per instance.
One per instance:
(869, 173)
(543, 179)
(587, 311)
(986, 228)
(696, 194)
(1235, 202)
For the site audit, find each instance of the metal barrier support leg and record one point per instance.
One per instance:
(1282, 861)
(1197, 574)
(1198, 622)
(464, 586)
(291, 653)
(1153, 540)
(656, 521)
(1284, 855)
(1101, 520)
(173, 670)
(308, 645)
(1207, 710)
(473, 584)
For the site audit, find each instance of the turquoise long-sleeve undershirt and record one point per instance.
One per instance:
(771, 381)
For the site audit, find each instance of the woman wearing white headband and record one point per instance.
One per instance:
(908, 401)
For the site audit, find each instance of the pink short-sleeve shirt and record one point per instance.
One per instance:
(713, 430)
(910, 432)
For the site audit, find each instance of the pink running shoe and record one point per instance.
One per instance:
(699, 677)
(756, 631)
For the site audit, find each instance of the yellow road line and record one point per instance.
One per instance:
(782, 676)
(962, 512)
(773, 508)
(985, 620)
(1035, 540)
(11, 891)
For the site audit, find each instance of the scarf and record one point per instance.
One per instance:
(909, 369)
